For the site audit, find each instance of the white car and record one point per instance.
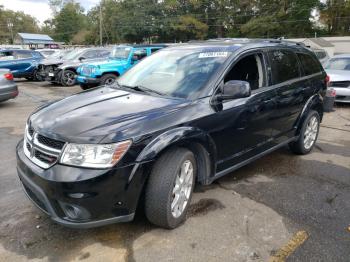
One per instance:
(338, 70)
(48, 52)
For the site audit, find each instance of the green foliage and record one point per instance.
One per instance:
(12, 22)
(69, 21)
(137, 21)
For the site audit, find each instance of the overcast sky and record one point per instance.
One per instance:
(39, 8)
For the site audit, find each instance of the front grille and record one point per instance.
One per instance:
(50, 142)
(86, 71)
(340, 84)
(33, 197)
(48, 159)
(41, 150)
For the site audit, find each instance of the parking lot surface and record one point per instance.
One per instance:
(280, 207)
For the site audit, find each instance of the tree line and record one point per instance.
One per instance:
(137, 21)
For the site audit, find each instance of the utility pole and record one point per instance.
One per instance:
(101, 23)
(10, 26)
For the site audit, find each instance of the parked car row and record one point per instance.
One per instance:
(62, 70)
(105, 72)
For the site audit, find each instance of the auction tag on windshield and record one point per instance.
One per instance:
(213, 54)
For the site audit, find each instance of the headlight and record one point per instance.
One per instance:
(95, 156)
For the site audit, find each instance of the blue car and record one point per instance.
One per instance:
(22, 63)
(106, 72)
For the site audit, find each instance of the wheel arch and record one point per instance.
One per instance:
(194, 139)
(315, 102)
(116, 73)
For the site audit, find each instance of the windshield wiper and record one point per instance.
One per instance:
(144, 89)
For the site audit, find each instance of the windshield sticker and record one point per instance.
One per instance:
(213, 54)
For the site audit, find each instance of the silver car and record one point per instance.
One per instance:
(338, 70)
(8, 87)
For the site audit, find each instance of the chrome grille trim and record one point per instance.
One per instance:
(31, 146)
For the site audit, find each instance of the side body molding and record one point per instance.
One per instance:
(177, 136)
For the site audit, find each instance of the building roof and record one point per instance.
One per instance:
(35, 38)
(321, 42)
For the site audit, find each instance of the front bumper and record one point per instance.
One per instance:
(8, 92)
(87, 80)
(342, 94)
(107, 196)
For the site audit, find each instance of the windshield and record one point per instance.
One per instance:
(74, 54)
(339, 63)
(120, 52)
(177, 73)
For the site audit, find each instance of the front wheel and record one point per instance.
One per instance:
(170, 187)
(108, 79)
(308, 134)
(68, 78)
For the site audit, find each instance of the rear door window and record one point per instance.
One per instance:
(309, 63)
(6, 55)
(23, 55)
(284, 66)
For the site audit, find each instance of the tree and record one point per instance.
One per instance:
(69, 21)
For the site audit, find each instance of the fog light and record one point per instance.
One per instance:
(75, 212)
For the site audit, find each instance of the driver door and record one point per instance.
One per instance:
(242, 126)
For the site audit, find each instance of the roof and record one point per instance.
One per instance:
(35, 38)
(320, 42)
(232, 44)
(342, 56)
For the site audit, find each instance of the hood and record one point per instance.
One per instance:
(50, 61)
(338, 75)
(109, 62)
(74, 63)
(99, 113)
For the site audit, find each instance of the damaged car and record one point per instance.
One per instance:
(62, 70)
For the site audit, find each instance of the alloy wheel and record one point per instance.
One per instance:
(68, 78)
(109, 81)
(310, 133)
(182, 189)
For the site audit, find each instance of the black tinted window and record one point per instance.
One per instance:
(309, 63)
(284, 66)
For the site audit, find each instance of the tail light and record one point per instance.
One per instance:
(327, 80)
(8, 76)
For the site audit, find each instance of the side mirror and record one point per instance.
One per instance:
(234, 89)
(81, 58)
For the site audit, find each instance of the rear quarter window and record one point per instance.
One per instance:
(284, 66)
(309, 64)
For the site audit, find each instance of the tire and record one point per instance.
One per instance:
(303, 146)
(37, 76)
(68, 78)
(108, 79)
(159, 194)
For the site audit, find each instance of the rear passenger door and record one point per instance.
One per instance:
(24, 62)
(291, 92)
(7, 60)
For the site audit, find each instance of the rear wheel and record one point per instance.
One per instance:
(308, 134)
(108, 79)
(170, 187)
(68, 78)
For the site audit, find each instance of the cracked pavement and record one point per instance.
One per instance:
(248, 215)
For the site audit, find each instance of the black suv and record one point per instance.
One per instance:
(187, 114)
